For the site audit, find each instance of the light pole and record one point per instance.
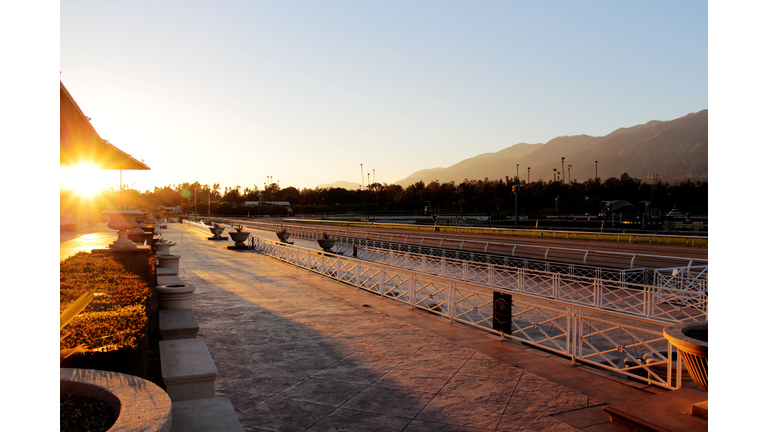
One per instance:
(514, 189)
(556, 198)
(517, 169)
(374, 179)
(362, 185)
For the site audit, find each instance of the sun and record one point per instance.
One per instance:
(85, 180)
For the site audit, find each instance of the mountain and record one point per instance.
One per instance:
(340, 184)
(673, 149)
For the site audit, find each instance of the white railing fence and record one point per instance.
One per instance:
(695, 279)
(608, 333)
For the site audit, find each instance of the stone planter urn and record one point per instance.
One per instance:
(691, 341)
(175, 296)
(326, 244)
(216, 231)
(169, 262)
(163, 247)
(140, 223)
(138, 404)
(122, 221)
(283, 236)
(239, 238)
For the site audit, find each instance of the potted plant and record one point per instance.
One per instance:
(326, 242)
(239, 237)
(283, 235)
(216, 230)
(122, 221)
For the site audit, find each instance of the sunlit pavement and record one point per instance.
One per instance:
(95, 237)
(296, 351)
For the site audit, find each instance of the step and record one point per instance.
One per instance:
(662, 412)
(178, 324)
(205, 415)
(187, 369)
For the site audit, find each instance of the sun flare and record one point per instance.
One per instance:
(85, 180)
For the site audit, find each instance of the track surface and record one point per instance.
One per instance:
(602, 253)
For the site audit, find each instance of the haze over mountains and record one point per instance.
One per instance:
(673, 149)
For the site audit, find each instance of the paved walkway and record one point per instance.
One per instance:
(97, 236)
(299, 352)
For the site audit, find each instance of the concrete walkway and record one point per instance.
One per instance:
(299, 352)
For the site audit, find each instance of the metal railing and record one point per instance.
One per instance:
(695, 277)
(627, 341)
(687, 240)
(412, 257)
(583, 256)
(686, 278)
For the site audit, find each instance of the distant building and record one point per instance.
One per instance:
(285, 204)
(176, 209)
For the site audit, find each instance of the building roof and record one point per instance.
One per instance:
(80, 143)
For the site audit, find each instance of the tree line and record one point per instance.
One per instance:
(495, 198)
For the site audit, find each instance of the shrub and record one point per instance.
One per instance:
(114, 325)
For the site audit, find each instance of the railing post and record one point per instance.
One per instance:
(411, 289)
(491, 280)
(357, 275)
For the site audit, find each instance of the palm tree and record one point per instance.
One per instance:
(529, 175)
(554, 174)
(569, 172)
(562, 163)
(595, 170)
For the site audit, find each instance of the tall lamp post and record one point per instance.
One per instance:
(362, 185)
(514, 189)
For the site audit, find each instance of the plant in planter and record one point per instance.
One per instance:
(216, 230)
(326, 242)
(239, 237)
(283, 234)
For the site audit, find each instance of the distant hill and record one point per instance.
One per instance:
(673, 149)
(340, 184)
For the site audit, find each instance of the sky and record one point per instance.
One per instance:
(231, 92)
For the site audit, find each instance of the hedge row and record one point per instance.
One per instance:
(114, 324)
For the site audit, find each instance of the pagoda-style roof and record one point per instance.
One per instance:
(81, 144)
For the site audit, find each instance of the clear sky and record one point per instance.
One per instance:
(230, 92)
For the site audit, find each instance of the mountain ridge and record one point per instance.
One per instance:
(675, 148)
